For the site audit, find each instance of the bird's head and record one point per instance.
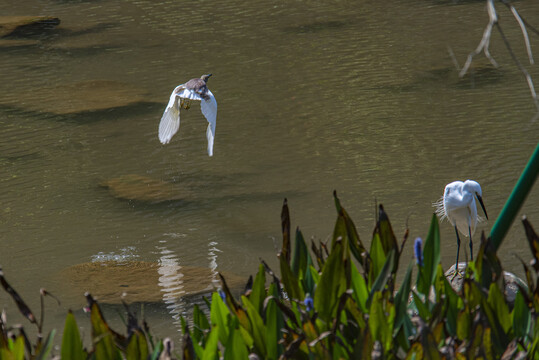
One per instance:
(475, 188)
(205, 77)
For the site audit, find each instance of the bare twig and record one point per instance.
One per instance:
(533, 29)
(524, 33)
(520, 66)
(453, 57)
(485, 41)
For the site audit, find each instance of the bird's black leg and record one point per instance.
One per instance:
(458, 250)
(471, 243)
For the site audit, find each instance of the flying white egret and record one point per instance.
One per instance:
(181, 97)
(458, 206)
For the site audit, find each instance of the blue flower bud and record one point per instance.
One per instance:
(309, 303)
(418, 251)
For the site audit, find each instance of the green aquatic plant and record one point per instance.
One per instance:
(333, 300)
(342, 301)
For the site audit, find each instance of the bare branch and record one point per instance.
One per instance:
(485, 41)
(507, 3)
(522, 68)
(524, 33)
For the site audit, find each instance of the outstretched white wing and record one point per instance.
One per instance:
(209, 110)
(170, 121)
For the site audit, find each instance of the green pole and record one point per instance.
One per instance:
(516, 199)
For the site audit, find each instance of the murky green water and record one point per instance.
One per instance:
(313, 96)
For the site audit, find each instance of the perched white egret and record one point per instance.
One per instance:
(181, 97)
(458, 206)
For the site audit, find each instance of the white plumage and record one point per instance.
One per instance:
(181, 97)
(458, 206)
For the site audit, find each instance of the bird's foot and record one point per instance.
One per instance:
(185, 103)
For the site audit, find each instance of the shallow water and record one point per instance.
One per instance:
(313, 96)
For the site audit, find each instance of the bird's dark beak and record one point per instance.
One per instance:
(209, 75)
(482, 205)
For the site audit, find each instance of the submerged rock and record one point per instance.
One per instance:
(77, 98)
(142, 188)
(141, 281)
(84, 38)
(17, 43)
(26, 25)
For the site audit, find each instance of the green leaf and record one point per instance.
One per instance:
(219, 316)
(47, 347)
(314, 274)
(257, 326)
(301, 258)
(521, 317)
(331, 285)
(290, 281)
(199, 349)
(422, 308)
(17, 352)
(464, 324)
(137, 349)
(402, 297)
(340, 233)
(346, 230)
(383, 277)
(235, 347)
(309, 281)
(497, 302)
(431, 258)
(157, 350)
(381, 320)
(359, 286)
(258, 292)
(183, 323)
(274, 324)
(210, 350)
(387, 237)
(104, 347)
(200, 323)
(535, 347)
(453, 303)
(71, 341)
(378, 258)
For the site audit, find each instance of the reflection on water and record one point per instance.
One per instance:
(171, 277)
(313, 96)
(170, 280)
